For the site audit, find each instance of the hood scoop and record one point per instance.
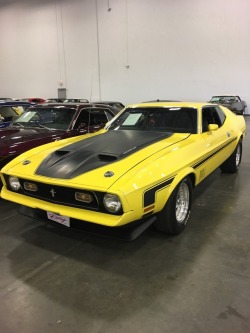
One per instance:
(61, 153)
(107, 157)
(58, 155)
(95, 152)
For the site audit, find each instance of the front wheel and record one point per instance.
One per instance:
(174, 216)
(232, 164)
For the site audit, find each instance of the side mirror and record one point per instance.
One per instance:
(212, 127)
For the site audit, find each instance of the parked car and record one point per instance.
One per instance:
(115, 104)
(4, 99)
(34, 100)
(50, 122)
(76, 100)
(67, 100)
(139, 170)
(54, 100)
(232, 102)
(10, 110)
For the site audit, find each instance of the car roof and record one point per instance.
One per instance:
(76, 106)
(14, 103)
(160, 100)
(80, 100)
(111, 103)
(107, 101)
(229, 95)
(65, 105)
(171, 104)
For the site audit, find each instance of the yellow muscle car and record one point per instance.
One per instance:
(140, 169)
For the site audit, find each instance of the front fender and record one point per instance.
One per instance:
(163, 195)
(187, 172)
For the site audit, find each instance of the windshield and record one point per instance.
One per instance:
(182, 120)
(52, 118)
(223, 99)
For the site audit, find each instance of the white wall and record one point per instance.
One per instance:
(138, 50)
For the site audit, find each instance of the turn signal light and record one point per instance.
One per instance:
(30, 186)
(84, 197)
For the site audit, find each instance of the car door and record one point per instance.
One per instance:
(216, 141)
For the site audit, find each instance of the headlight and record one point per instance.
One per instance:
(14, 183)
(112, 203)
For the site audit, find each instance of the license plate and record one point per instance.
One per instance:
(59, 218)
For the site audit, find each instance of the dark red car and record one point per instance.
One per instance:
(34, 100)
(50, 122)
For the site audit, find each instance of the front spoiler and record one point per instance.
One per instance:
(126, 232)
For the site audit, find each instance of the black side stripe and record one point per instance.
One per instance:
(149, 195)
(196, 165)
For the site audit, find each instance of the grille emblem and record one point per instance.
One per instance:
(53, 192)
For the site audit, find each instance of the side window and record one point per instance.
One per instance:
(210, 116)
(83, 118)
(109, 115)
(99, 117)
(91, 118)
(216, 118)
(206, 119)
(221, 114)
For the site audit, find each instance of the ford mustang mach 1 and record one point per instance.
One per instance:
(139, 170)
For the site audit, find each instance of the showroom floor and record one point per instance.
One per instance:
(57, 280)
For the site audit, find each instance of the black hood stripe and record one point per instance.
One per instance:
(94, 152)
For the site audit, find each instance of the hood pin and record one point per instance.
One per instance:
(25, 162)
(109, 174)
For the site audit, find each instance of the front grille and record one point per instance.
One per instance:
(62, 195)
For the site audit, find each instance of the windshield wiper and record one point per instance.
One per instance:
(42, 126)
(17, 124)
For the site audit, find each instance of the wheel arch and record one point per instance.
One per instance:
(162, 195)
(189, 172)
(175, 214)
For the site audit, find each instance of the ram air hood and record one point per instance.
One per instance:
(98, 151)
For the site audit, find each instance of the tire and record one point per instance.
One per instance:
(174, 216)
(232, 164)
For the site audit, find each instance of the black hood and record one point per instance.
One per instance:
(88, 154)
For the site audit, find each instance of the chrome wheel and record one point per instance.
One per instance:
(174, 216)
(232, 164)
(182, 203)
